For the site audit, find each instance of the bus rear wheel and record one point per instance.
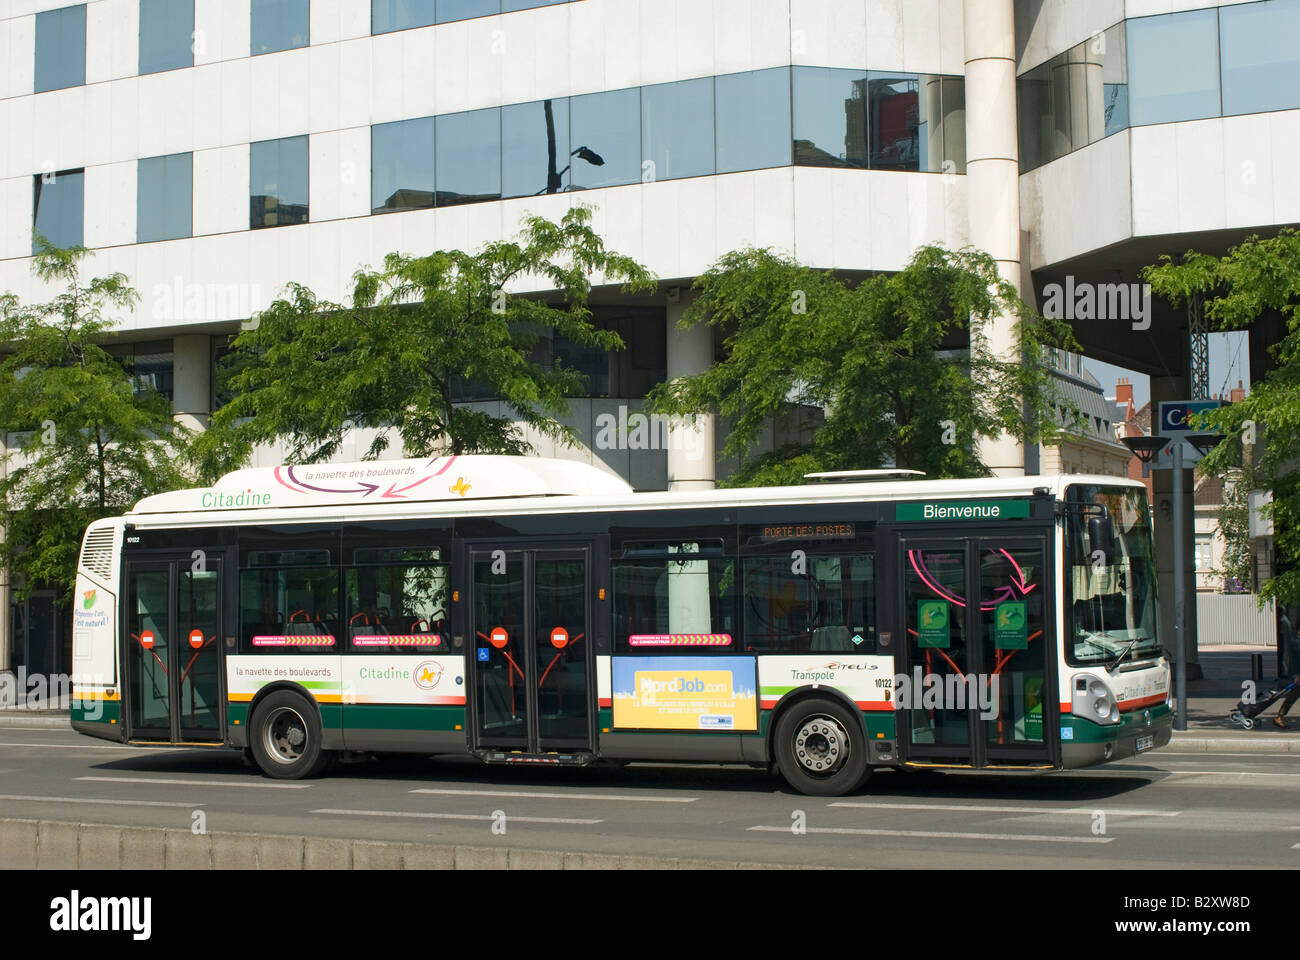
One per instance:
(286, 738)
(821, 749)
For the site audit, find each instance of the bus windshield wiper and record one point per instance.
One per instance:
(1120, 659)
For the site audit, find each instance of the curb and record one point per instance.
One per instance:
(44, 844)
(1266, 744)
(38, 721)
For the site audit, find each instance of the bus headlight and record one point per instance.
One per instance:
(1093, 700)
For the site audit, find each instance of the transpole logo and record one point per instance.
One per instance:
(88, 599)
(427, 674)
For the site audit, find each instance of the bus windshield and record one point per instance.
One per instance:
(1110, 587)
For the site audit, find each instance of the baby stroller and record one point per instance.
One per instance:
(1245, 713)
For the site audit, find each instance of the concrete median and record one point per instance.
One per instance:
(52, 844)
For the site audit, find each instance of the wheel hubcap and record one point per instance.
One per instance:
(821, 745)
(286, 735)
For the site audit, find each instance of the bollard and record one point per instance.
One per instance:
(1257, 666)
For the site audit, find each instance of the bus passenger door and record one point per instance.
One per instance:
(529, 660)
(976, 656)
(173, 622)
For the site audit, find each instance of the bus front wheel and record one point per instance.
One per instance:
(286, 737)
(821, 749)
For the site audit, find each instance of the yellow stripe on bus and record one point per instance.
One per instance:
(96, 695)
(320, 697)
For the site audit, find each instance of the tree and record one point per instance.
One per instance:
(1257, 280)
(91, 441)
(886, 360)
(309, 369)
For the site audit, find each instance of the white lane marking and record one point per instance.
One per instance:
(453, 816)
(984, 809)
(942, 835)
(556, 796)
(1204, 753)
(121, 803)
(1227, 773)
(201, 783)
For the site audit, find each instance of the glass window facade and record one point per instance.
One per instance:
(164, 198)
(166, 35)
(389, 15)
(535, 152)
(830, 117)
(278, 182)
(280, 25)
(1174, 67)
(60, 48)
(677, 130)
(605, 139)
(150, 364)
(401, 163)
(1260, 56)
(753, 120)
(59, 207)
(1076, 98)
(449, 10)
(468, 152)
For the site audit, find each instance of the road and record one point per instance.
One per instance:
(1165, 810)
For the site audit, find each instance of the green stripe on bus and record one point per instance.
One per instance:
(404, 716)
(1131, 724)
(961, 510)
(95, 711)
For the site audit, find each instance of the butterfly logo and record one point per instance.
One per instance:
(460, 486)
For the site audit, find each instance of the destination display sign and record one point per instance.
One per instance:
(961, 510)
(808, 531)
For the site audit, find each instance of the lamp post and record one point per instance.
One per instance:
(1146, 448)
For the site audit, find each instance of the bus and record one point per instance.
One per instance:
(526, 610)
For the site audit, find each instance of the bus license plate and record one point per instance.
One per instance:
(1145, 743)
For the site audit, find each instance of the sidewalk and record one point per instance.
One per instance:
(1208, 702)
(1210, 699)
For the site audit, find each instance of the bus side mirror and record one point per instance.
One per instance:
(1101, 534)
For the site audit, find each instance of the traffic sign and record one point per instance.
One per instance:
(147, 639)
(196, 639)
(499, 638)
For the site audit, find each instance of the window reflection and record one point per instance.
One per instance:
(607, 126)
(677, 129)
(1076, 98)
(164, 197)
(830, 117)
(468, 150)
(401, 164)
(535, 155)
(166, 35)
(278, 181)
(60, 48)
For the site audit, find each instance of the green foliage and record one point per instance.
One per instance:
(1234, 525)
(310, 369)
(89, 443)
(1256, 279)
(886, 360)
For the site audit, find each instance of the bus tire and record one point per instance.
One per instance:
(820, 748)
(286, 737)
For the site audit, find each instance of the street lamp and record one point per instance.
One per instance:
(1204, 442)
(1145, 449)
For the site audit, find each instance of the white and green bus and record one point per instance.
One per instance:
(528, 610)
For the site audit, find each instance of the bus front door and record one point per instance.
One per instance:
(172, 630)
(529, 657)
(976, 662)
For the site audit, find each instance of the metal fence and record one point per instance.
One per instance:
(1234, 618)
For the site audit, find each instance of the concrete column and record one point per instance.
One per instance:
(1175, 388)
(192, 380)
(993, 177)
(691, 452)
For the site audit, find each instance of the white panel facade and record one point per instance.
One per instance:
(221, 30)
(1078, 203)
(18, 66)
